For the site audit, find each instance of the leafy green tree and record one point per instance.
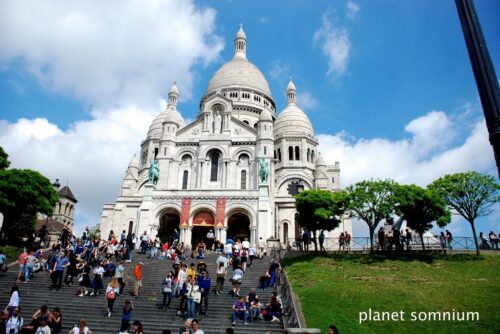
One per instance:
(320, 210)
(420, 207)
(4, 159)
(23, 194)
(372, 201)
(470, 195)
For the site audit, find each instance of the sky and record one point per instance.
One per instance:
(387, 84)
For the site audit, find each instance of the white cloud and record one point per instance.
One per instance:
(279, 71)
(335, 44)
(120, 57)
(307, 101)
(431, 132)
(428, 154)
(353, 9)
(92, 155)
(411, 160)
(109, 52)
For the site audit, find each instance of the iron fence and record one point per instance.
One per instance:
(431, 243)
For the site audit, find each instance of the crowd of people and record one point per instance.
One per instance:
(86, 261)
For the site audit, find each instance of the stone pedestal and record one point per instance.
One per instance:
(146, 222)
(265, 226)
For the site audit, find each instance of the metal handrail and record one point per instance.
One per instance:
(363, 243)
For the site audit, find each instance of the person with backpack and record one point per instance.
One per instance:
(15, 322)
(112, 291)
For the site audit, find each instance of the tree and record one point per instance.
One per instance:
(372, 201)
(420, 207)
(470, 195)
(4, 159)
(320, 210)
(23, 194)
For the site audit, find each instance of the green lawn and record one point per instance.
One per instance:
(12, 252)
(335, 289)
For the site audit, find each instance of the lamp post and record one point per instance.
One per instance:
(484, 72)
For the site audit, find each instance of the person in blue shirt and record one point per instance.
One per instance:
(58, 270)
(204, 283)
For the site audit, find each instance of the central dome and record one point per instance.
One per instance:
(241, 73)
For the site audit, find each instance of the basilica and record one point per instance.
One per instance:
(234, 170)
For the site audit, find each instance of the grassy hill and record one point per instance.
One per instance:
(344, 289)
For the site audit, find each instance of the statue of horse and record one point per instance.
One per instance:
(263, 170)
(154, 172)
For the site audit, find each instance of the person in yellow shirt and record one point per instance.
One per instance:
(191, 272)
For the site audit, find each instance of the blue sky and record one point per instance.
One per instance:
(387, 85)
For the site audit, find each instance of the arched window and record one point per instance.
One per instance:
(312, 156)
(285, 233)
(156, 152)
(246, 122)
(279, 155)
(130, 227)
(255, 126)
(214, 167)
(308, 154)
(297, 153)
(244, 179)
(185, 179)
(290, 153)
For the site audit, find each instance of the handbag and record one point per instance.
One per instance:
(197, 297)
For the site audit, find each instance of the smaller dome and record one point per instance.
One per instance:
(156, 127)
(265, 115)
(174, 116)
(320, 162)
(293, 121)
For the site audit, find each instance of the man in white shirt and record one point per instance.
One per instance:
(144, 242)
(245, 244)
(222, 259)
(120, 275)
(15, 322)
(210, 239)
(262, 247)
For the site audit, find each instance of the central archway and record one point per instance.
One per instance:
(203, 222)
(238, 226)
(169, 223)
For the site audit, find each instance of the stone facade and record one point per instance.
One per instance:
(209, 170)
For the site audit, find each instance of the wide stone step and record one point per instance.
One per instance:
(93, 308)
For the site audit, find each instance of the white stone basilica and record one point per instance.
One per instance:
(209, 174)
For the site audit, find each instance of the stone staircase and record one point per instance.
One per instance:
(154, 320)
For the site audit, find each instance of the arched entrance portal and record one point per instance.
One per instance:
(169, 223)
(238, 226)
(203, 222)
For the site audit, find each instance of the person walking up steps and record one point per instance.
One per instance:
(111, 292)
(138, 278)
